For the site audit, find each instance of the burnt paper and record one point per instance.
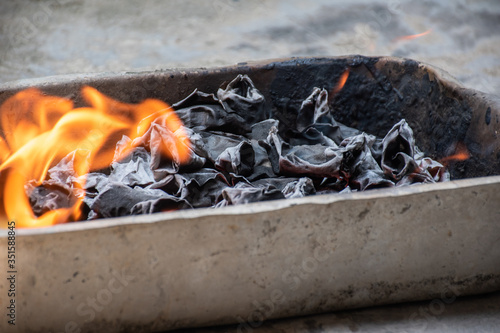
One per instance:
(240, 154)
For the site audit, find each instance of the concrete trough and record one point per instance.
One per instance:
(244, 264)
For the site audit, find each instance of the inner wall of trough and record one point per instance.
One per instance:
(375, 97)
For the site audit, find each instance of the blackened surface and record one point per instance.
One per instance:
(378, 94)
(487, 116)
(294, 81)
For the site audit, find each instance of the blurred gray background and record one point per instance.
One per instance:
(45, 38)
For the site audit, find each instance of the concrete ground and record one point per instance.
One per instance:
(44, 38)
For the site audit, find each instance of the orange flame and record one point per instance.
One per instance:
(341, 83)
(410, 37)
(38, 131)
(461, 154)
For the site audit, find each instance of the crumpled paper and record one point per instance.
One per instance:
(239, 156)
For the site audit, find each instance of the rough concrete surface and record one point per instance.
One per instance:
(44, 38)
(41, 38)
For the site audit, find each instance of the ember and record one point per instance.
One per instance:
(461, 154)
(58, 166)
(410, 37)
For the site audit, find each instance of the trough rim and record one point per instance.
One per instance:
(75, 77)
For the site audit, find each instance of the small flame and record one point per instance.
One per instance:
(341, 83)
(461, 154)
(38, 131)
(410, 37)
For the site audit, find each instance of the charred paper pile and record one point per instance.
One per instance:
(241, 154)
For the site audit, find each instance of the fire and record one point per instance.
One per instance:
(456, 157)
(461, 154)
(341, 83)
(38, 131)
(410, 37)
